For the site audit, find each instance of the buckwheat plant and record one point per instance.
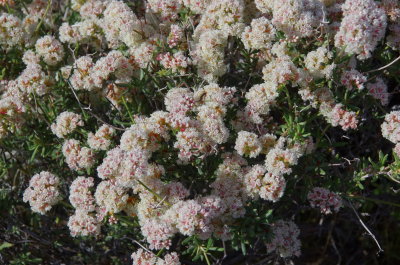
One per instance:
(199, 132)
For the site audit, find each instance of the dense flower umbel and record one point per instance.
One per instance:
(363, 25)
(101, 140)
(324, 199)
(80, 196)
(391, 127)
(285, 239)
(143, 257)
(353, 79)
(43, 192)
(83, 224)
(66, 123)
(378, 90)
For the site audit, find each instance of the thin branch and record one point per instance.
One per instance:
(365, 227)
(385, 66)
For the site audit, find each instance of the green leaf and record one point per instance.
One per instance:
(5, 245)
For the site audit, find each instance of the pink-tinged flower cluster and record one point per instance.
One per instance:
(280, 158)
(379, 91)
(158, 233)
(259, 35)
(392, 9)
(225, 16)
(49, 49)
(198, 137)
(11, 31)
(168, 9)
(87, 31)
(43, 192)
(318, 63)
(192, 143)
(176, 36)
(66, 123)
(353, 79)
(76, 156)
(362, 27)
(11, 112)
(34, 80)
(208, 54)
(101, 140)
(324, 199)
(143, 257)
(285, 239)
(391, 127)
(92, 76)
(83, 224)
(247, 144)
(177, 62)
(260, 184)
(334, 113)
(80, 195)
(120, 24)
(179, 101)
(281, 71)
(147, 133)
(296, 18)
(111, 197)
(260, 98)
(337, 115)
(30, 58)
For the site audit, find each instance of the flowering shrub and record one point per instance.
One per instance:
(199, 132)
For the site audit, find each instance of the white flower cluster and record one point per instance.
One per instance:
(143, 257)
(177, 62)
(353, 79)
(167, 8)
(259, 35)
(66, 123)
(11, 30)
(265, 185)
(101, 140)
(111, 197)
(334, 113)
(285, 239)
(80, 196)
(247, 143)
(362, 27)
(43, 192)
(379, 91)
(91, 76)
(50, 49)
(225, 16)
(296, 18)
(391, 127)
(317, 63)
(120, 24)
(83, 222)
(209, 54)
(12, 109)
(324, 199)
(76, 156)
